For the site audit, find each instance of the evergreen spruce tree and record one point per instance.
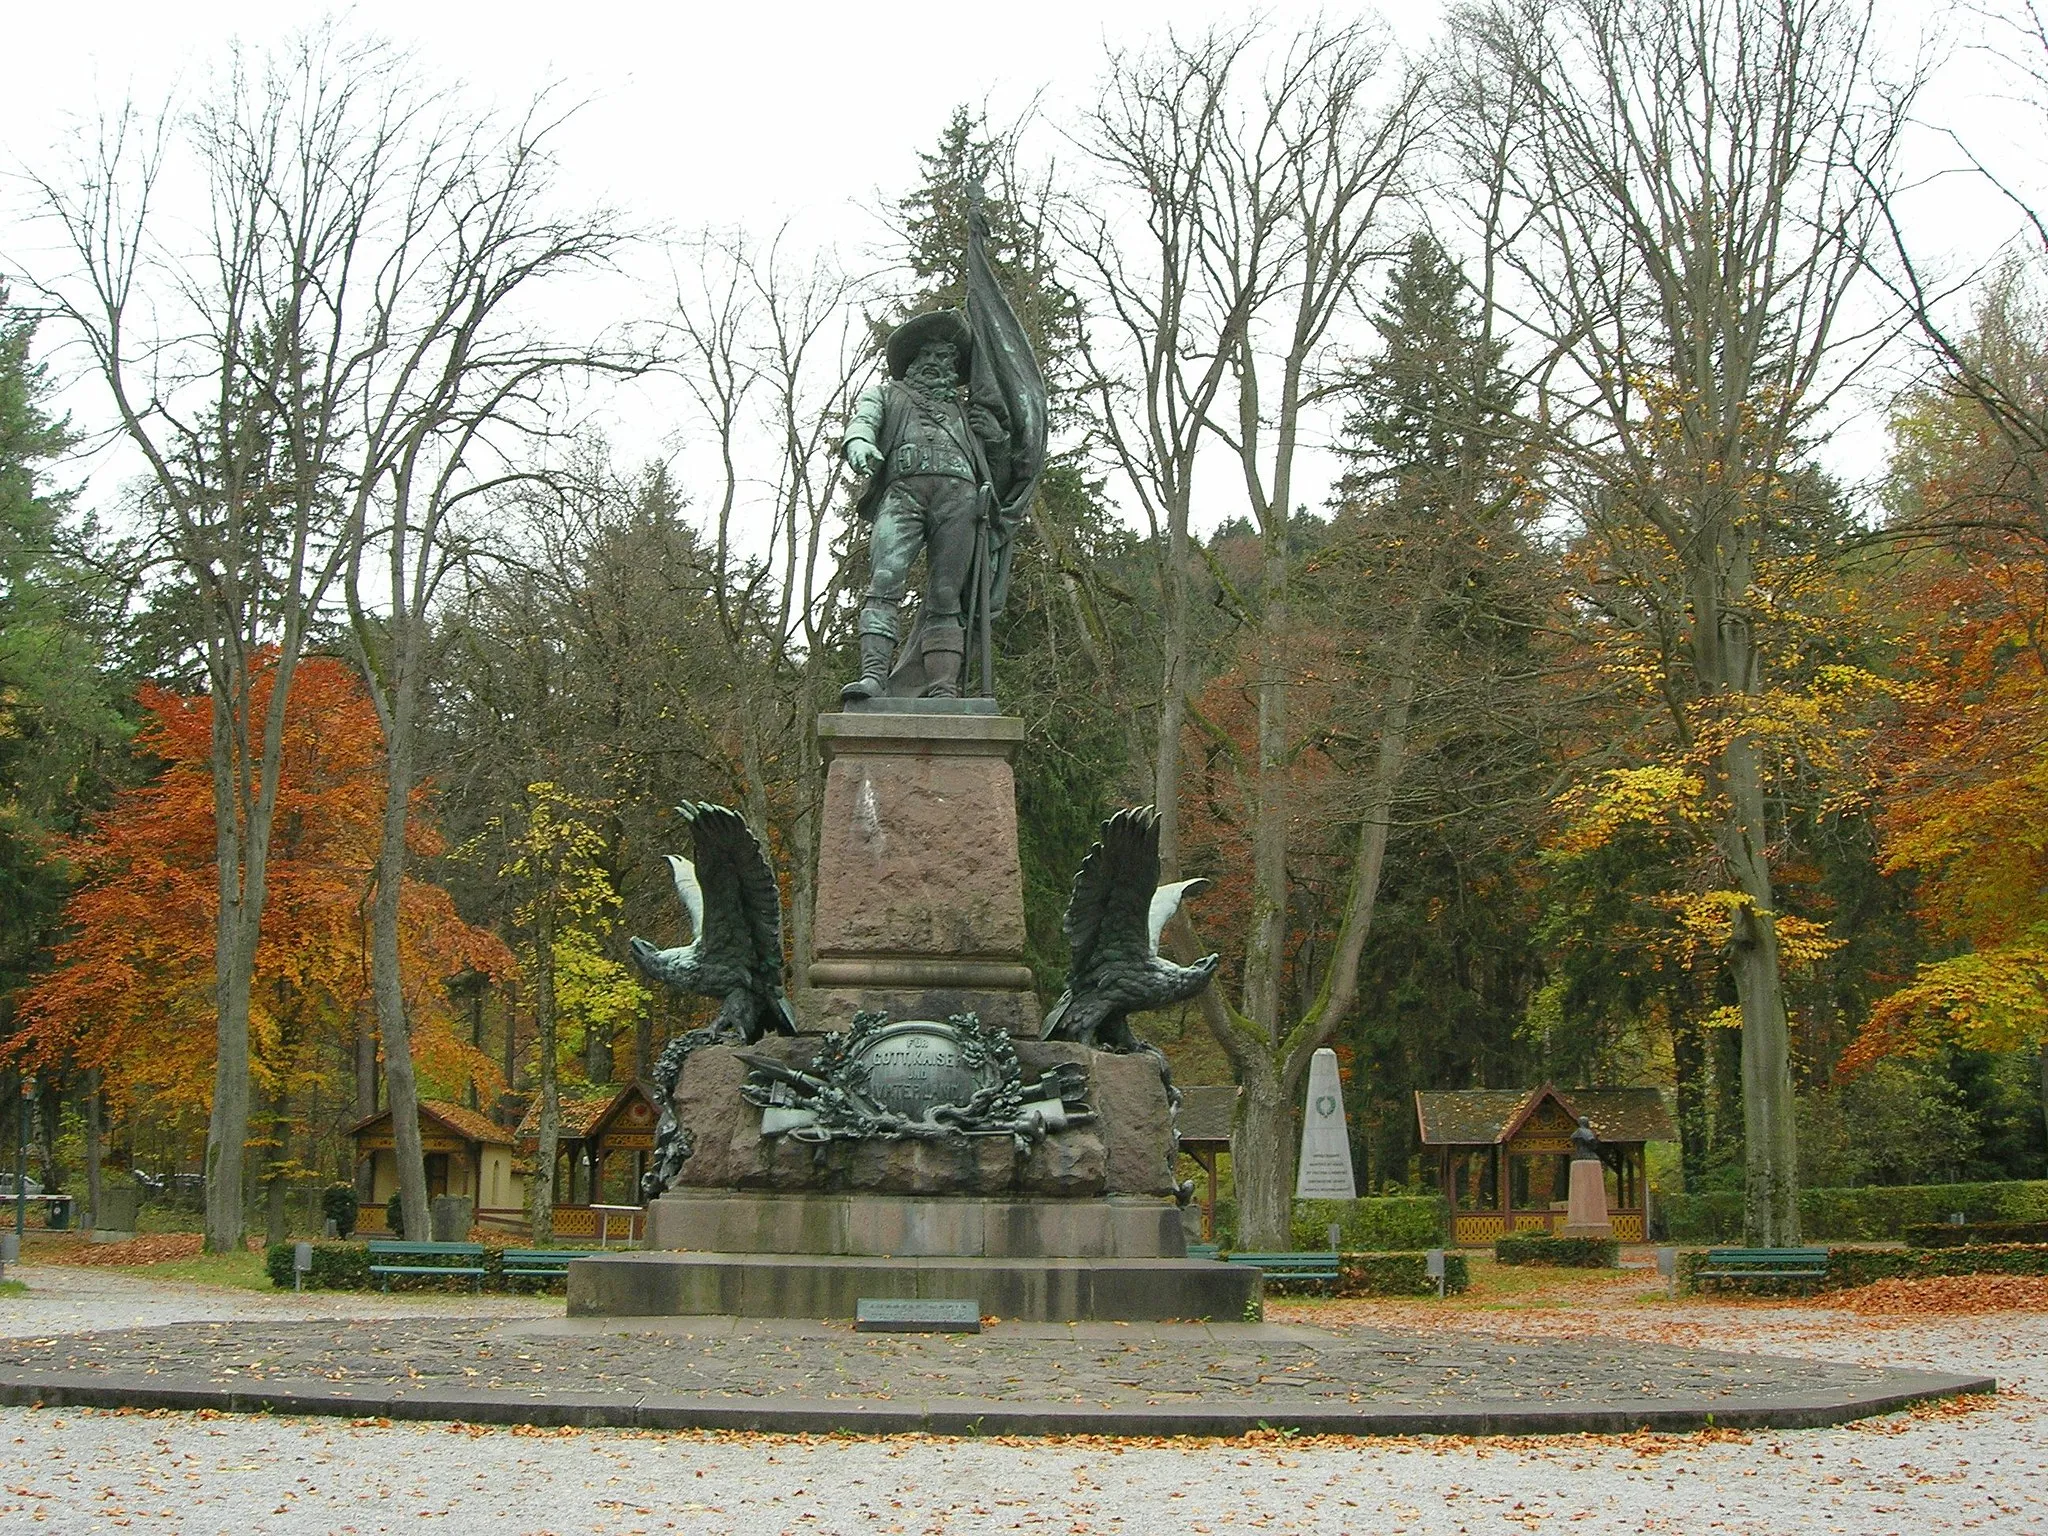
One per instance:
(1440, 584)
(56, 721)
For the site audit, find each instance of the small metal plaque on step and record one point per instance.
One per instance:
(894, 1314)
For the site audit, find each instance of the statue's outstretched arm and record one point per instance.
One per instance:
(864, 431)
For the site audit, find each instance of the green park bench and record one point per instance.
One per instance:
(540, 1263)
(1738, 1264)
(1291, 1266)
(439, 1259)
(1205, 1250)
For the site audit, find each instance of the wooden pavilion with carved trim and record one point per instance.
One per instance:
(605, 1144)
(1503, 1160)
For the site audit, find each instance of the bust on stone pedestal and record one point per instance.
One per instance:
(1586, 1207)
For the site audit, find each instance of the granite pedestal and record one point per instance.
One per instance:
(920, 896)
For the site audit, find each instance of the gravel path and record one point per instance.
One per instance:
(1947, 1467)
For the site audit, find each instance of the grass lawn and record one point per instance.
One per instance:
(1495, 1287)
(242, 1271)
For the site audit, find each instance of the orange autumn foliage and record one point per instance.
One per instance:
(130, 992)
(1965, 807)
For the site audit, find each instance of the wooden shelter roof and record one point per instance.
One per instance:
(1469, 1117)
(469, 1124)
(582, 1118)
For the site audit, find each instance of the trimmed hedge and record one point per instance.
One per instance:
(1561, 1252)
(1398, 1274)
(346, 1267)
(1942, 1234)
(336, 1266)
(1875, 1213)
(1851, 1267)
(1385, 1224)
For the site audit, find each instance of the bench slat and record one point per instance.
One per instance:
(1291, 1266)
(1765, 1264)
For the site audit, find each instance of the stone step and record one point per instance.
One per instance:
(892, 1226)
(823, 1286)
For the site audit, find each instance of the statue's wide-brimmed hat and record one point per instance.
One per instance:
(938, 325)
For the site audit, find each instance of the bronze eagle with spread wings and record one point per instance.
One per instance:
(735, 910)
(1114, 920)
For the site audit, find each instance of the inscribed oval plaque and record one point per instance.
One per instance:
(916, 1066)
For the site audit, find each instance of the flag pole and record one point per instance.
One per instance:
(985, 535)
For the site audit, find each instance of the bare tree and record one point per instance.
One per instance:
(1265, 201)
(448, 407)
(225, 347)
(1989, 351)
(1168, 332)
(1685, 193)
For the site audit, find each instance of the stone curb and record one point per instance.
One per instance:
(968, 1417)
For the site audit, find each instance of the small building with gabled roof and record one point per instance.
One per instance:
(467, 1153)
(1503, 1156)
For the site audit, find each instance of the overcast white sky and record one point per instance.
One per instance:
(737, 113)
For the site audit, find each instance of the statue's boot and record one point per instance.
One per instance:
(945, 654)
(876, 652)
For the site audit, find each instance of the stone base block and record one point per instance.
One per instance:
(1122, 1151)
(895, 1226)
(824, 1010)
(649, 1284)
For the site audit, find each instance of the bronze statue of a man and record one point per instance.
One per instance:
(928, 449)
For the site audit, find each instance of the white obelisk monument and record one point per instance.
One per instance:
(1324, 1172)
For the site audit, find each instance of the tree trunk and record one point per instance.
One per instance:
(365, 1173)
(1689, 1067)
(1265, 1179)
(1173, 688)
(52, 1116)
(387, 983)
(541, 1188)
(227, 1126)
(512, 1038)
(597, 1055)
(1770, 1214)
(1266, 943)
(476, 1042)
(276, 1225)
(95, 1147)
(244, 801)
(803, 832)
(1269, 1150)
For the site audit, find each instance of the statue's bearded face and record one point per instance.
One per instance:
(936, 368)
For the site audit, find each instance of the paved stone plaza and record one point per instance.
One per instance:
(1969, 1464)
(1016, 1378)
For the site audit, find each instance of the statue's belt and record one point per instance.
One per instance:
(916, 458)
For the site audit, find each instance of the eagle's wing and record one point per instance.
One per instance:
(1109, 914)
(689, 892)
(1165, 902)
(742, 904)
